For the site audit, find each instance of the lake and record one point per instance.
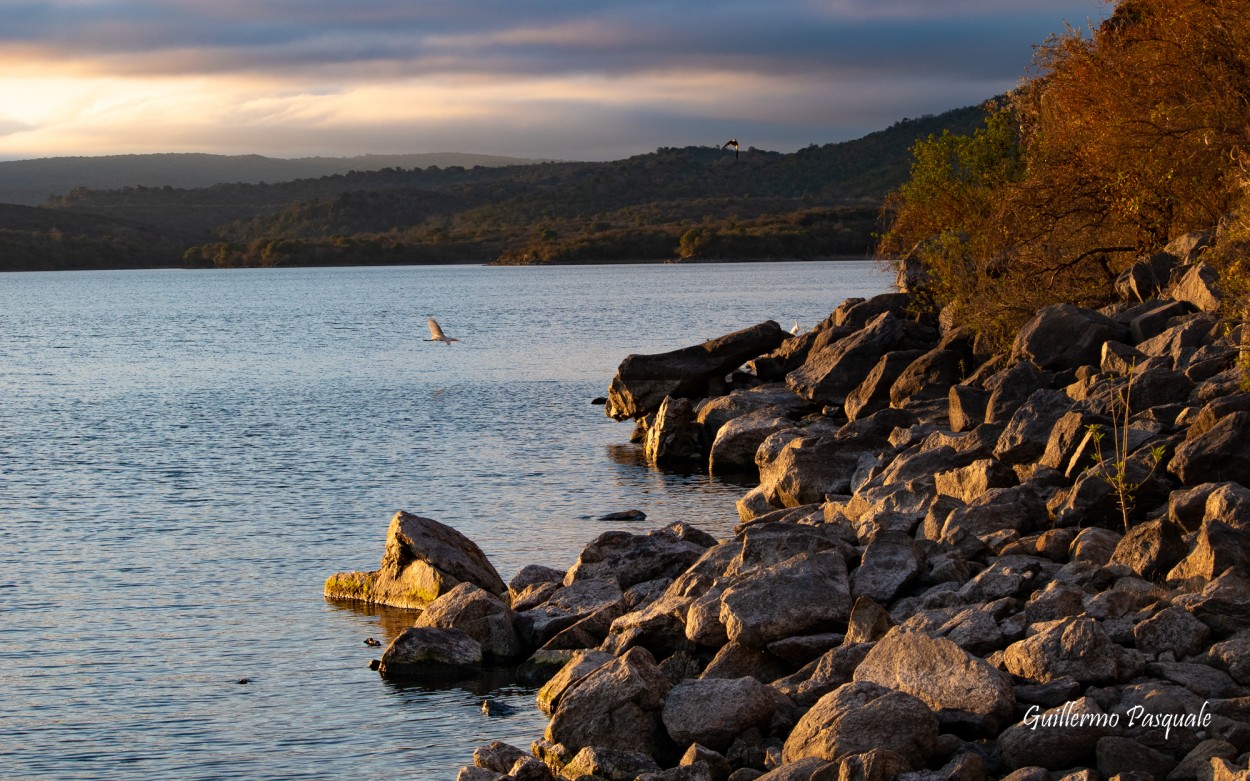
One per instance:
(185, 456)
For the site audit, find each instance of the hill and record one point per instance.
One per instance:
(694, 203)
(32, 182)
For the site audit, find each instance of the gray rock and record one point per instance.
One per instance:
(478, 614)
(1151, 549)
(1196, 765)
(1028, 431)
(497, 756)
(1010, 387)
(1094, 545)
(1172, 629)
(873, 394)
(799, 470)
(970, 482)
(528, 581)
(631, 559)
(1063, 336)
(479, 774)
(736, 443)
(959, 688)
(967, 406)
(800, 595)
(1233, 656)
(735, 660)
(1073, 647)
(1056, 739)
(674, 437)
(833, 669)
(642, 381)
(609, 764)
(810, 769)
(929, 377)
(1217, 547)
(423, 560)
(1199, 286)
(1222, 453)
(581, 664)
(565, 607)
(860, 717)
(714, 711)
(715, 412)
(1117, 755)
(890, 562)
(616, 706)
(429, 654)
(831, 372)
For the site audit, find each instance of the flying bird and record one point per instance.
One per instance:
(731, 142)
(437, 335)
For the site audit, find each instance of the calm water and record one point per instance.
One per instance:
(185, 456)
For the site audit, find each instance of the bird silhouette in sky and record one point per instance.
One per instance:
(437, 335)
(731, 142)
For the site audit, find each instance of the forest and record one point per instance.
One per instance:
(1120, 140)
(674, 204)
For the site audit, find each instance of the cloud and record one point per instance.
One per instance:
(595, 78)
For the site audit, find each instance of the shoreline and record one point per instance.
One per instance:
(935, 577)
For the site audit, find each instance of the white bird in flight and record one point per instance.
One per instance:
(437, 335)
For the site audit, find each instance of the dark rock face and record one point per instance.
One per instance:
(799, 595)
(1221, 453)
(714, 711)
(831, 372)
(642, 381)
(616, 706)
(1063, 336)
(478, 614)
(430, 654)
(860, 717)
(631, 559)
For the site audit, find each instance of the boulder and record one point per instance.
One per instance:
(796, 470)
(423, 560)
(430, 654)
(616, 706)
(1117, 755)
(1094, 545)
(972, 481)
(890, 562)
(863, 716)
(1058, 738)
(775, 365)
(1010, 387)
(715, 412)
(634, 558)
(565, 607)
(1224, 603)
(1063, 336)
(1151, 549)
(831, 372)
(834, 668)
(802, 594)
(608, 764)
(478, 614)
(497, 756)
(858, 312)
(643, 381)
(1221, 453)
(1172, 629)
(737, 442)
(528, 582)
(967, 407)
(674, 437)
(1199, 286)
(714, 711)
(1217, 547)
(581, 664)
(1028, 431)
(959, 688)
(929, 377)
(873, 393)
(1076, 647)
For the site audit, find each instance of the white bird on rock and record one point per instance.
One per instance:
(794, 329)
(437, 335)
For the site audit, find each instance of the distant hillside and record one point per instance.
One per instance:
(693, 203)
(32, 182)
(34, 239)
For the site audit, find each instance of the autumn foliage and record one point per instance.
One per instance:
(1124, 137)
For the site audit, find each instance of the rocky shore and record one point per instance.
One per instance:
(1030, 565)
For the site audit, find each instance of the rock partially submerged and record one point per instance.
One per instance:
(423, 560)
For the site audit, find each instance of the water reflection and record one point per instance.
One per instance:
(390, 620)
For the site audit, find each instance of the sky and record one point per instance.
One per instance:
(563, 79)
